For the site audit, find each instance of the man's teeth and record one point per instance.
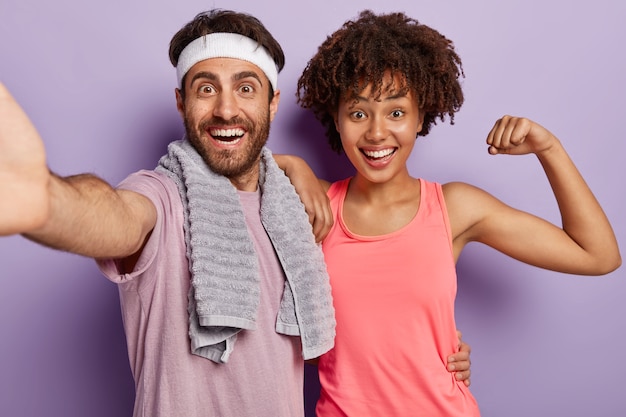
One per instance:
(379, 154)
(227, 133)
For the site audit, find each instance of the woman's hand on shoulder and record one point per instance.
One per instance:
(312, 193)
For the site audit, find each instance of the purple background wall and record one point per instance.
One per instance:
(96, 81)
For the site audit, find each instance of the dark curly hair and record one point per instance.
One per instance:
(362, 51)
(227, 21)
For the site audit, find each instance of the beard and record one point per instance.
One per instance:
(231, 163)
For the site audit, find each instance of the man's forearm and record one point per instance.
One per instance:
(89, 217)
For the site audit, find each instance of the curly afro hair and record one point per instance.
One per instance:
(362, 51)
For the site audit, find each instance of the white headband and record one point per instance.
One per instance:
(226, 45)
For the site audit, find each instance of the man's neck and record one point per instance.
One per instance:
(248, 181)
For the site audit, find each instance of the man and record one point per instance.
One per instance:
(222, 295)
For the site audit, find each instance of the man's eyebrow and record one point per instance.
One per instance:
(237, 77)
(247, 74)
(204, 74)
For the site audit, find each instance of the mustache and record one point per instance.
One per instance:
(235, 121)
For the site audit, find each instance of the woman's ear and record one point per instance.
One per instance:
(420, 122)
(335, 119)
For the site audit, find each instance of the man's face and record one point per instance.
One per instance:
(227, 116)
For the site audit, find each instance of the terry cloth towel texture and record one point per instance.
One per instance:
(225, 287)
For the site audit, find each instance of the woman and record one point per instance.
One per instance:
(377, 84)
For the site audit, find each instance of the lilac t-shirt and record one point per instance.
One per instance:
(264, 375)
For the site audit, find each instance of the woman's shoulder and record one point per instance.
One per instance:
(337, 187)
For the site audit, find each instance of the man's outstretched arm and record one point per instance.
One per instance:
(80, 214)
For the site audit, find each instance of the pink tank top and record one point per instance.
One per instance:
(394, 304)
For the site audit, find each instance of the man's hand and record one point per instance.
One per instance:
(24, 176)
(460, 363)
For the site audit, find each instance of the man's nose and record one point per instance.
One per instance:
(226, 106)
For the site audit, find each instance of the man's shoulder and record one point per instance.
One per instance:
(147, 178)
(157, 186)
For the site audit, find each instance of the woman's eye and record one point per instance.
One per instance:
(358, 115)
(397, 113)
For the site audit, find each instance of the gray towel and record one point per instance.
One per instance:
(224, 294)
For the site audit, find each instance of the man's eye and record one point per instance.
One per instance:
(246, 89)
(206, 89)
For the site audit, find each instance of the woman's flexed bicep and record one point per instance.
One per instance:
(477, 216)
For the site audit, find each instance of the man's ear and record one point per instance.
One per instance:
(180, 103)
(274, 104)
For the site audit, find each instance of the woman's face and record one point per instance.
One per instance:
(378, 134)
